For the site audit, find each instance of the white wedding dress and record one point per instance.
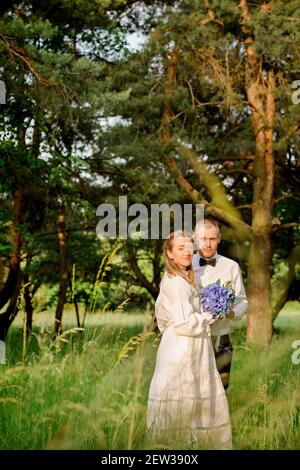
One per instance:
(186, 397)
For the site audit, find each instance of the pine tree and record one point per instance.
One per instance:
(212, 91)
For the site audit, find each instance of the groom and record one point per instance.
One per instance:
(208, 267)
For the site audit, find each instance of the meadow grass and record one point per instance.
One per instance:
(88, 390)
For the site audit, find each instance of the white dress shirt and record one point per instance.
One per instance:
(226, 270)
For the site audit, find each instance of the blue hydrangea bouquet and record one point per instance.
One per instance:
(217, 299)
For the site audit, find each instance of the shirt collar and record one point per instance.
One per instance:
(216, 256)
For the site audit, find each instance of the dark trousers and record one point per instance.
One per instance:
(223, 354)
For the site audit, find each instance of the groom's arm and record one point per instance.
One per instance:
(240, 308)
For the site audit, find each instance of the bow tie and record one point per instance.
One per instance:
(211, 262)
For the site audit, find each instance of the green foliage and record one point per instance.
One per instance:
(84, 120)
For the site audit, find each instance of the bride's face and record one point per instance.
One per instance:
(182, 252)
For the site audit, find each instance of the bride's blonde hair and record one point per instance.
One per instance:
(170, 266)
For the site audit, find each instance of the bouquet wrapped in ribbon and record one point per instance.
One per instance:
(218, 299)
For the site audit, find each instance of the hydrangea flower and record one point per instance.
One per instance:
(217, 299)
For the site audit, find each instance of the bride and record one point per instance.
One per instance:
(186, 397)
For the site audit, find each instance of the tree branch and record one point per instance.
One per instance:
(244, 206)
(289, 225)
(230, 159)
(67, 230)
(211, 16)
(240, 170)
(23, 56)
(282, 282)
(243, 230)
(143, 281)
(284, 197)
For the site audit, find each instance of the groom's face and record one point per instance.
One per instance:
(209, 244)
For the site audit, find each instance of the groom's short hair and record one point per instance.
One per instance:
(207, 222)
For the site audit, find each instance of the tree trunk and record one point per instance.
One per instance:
(15, 258)
(259, 317)
(62, 241)
(11, 312)
(28, 304)
(152, 289)
(157, 264)
(76, 310)
(11, 288)
(28, 295)
(75, 303)
(260, 89)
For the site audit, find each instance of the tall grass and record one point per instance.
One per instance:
(89, 391)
